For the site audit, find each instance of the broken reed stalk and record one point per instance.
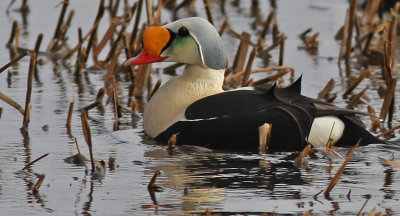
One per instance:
(223, 27)
(328, 88)
(275, 68)
(112, 67)
(79, 45)
(79, 62)
(88, 137)
(128, 55)
(363, 74)
(275, 32)
(57, 31)
(116, 48)
(172, 143)
(356, 99)
(264, 132)
(117, 110)
(282, 70)
(114, 8)
(77, 146)
(375, 123)
(388, 131)
(208, 11)
(351, 20)
(111, 163)
(136, 24)
(303, 35)
(307, 213)
(32, 68)
(149, 12)
(372, 7)
(303, 154)
(372, 212)
(240, 37)
(271, 78)
(390, 43)
(388, 99)
(272, 46)
(154, 90)
(37, 45)
(34, 161)
(241, 53)
(157, 17)
(370, 35)
(151, 184)
(312, 42)
(335, 179)
(282, 48)
(141, 79)
(246, 75)
(93, 35)
(389, 49)
(14, 35)
(90, 43)
(61, 19)
(264, 32)
(389, 162)
(12, 103)
(66, 25)
(27, 116)
(13, 61)
(70, 111)
(99, 99)
(38, 183)
(365, 203)
(182, 4)
(109, 33)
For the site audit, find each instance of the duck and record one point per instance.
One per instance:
(195, 108)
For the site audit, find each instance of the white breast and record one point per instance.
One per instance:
(172, 99)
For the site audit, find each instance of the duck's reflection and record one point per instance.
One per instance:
(205, 177)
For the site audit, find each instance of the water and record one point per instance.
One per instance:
(191, 181)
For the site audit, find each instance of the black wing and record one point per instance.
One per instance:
(230, 120)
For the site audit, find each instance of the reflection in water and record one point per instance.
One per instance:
(86, 208)
(387, 184)
(208, 180)
(204, 179)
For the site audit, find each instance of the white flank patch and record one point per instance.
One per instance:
(324, 128)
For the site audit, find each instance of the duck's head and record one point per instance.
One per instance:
(191, 41)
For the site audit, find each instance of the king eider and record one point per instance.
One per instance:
(195, 106)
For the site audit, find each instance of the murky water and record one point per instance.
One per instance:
(190, 182)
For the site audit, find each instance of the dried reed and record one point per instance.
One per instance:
(301, 158)
(32, 68)
(335, 179)
(34, 161)
(389, 162)
(12, 103)
(38, 183)
(88, 137)
(13, 61)
(151, 185)
(328, 88)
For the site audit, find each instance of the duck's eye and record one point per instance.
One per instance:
(183, 31)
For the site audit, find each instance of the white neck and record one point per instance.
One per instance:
(170, 102)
